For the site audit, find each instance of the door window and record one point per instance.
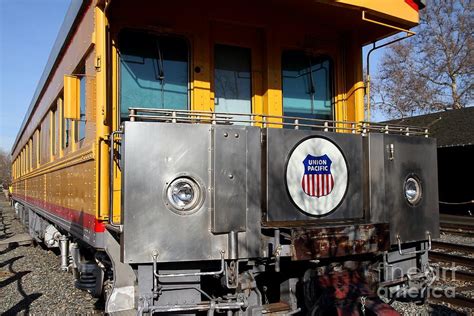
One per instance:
(306, 85)
(153, 72)
(232, 81)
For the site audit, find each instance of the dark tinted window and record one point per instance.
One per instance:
(306, 85)
(153, 72)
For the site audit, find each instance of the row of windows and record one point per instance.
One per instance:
(154, 73)
(53, 135)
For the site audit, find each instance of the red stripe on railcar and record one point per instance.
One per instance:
(412, 4)
(71, 215)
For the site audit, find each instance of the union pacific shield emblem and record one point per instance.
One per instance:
(317, 179)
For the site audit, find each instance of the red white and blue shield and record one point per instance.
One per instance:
(317, 180)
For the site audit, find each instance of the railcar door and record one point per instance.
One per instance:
(237, 70)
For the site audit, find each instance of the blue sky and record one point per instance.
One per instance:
(28, 29)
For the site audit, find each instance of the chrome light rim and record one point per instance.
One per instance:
(412, 190)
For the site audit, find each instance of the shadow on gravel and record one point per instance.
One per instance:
(10, 261)
(6, 250)
(3, 227)
(23, 306)
(441, 310)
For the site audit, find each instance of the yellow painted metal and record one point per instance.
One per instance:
(71, 97)
(397, 9)
(117, 174)
(60, 126)
(365, 18)
(102, 119)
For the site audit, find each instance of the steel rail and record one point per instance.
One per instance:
(446, 257)
(457, 299)
(452, 246)
(456, 275)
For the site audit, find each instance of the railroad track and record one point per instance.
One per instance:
(450, 246)
(457, 225)
(447, 274)
(456, 299)
(450, 258)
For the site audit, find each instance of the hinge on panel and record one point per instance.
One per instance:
(98, 64)
(391, 152)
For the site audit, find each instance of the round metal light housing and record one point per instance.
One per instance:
(183, 194)
(412, 189)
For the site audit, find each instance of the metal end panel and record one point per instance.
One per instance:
(227, 168)
(229, 179)
(406, 157)
(375, 158)
(154, 155)
(279, 207)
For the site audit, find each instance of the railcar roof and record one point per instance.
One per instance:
(450, 128)
(61, 40)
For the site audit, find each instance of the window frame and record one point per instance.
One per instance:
(320, 58)
(155, 33)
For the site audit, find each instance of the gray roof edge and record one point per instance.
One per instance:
(64, 31)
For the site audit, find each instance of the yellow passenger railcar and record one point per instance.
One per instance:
(163, 153)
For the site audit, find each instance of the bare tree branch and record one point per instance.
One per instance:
(432, 70)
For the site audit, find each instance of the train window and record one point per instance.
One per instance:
(57, 123)
(306, 85)
(153, 72)
(33, 150)
(81, 124)
(45, 140)
(232, 80)
(66, 128)
(53, 132)
(27, 157)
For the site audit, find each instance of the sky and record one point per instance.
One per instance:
(28, 29)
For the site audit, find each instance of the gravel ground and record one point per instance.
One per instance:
(31, 282)
(456, 239)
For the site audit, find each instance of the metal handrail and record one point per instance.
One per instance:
(402, 253)
(264, 120)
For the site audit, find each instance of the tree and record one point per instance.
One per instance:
(5, 169)
(432, 70)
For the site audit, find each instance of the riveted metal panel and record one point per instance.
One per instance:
(411, 156)
(154, 154)
(375, 158)
(229, 179)
(236, 174)
(279, 208)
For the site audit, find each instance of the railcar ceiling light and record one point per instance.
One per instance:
(183, 193)
(412, 190)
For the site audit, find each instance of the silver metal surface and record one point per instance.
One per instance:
(229, 179)
(412, 157)
(178, 275)
(64, 247)
(51, 236)
(122, 297)
(279, 144)
(228, 172)
(375, 179)
(233, 245)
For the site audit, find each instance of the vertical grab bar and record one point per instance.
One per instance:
(111, 180)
